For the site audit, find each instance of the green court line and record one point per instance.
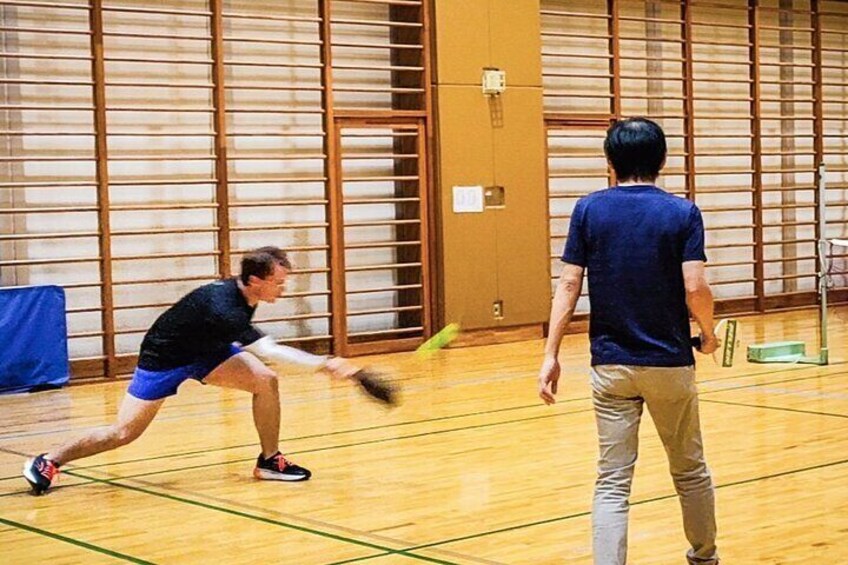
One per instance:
(346, 445)
(271, 521)
(327, 434)
(73, 471)
(588, 513)
(779, 408)
(358, 559)
(637, 503)
(426, 420)
(379, 555)
(406, 551)
(309, 436)
(314, 450)
(72, 541)
(389, 426)
(793, 380)
(423, 434)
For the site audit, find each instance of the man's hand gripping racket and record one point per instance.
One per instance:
(373, 383)
(722, 344)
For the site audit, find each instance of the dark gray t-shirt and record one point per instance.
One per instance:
(205, 322)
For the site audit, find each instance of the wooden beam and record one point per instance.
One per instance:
(425, 232)
(219, 101)
(428, 189)
(756, 152)
(689, 100)
(333, 191)
(818, 101)
(613, 29)
(101, 152)
(615, 58)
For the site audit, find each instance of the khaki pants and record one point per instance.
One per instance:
(618, 392)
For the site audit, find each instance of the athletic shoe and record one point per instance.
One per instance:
(40, 473)
(278, 468)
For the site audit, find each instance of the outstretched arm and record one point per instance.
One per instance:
(274, 354)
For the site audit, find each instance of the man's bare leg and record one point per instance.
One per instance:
(246, 372)
(133, 418)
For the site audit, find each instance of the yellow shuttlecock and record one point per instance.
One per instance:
(439, 340)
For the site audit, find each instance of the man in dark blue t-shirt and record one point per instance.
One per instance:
(644, 252)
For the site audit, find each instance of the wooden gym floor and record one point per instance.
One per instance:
(472, 469)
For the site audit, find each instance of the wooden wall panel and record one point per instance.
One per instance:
(148, 147)
(496, 256)
(735, 84)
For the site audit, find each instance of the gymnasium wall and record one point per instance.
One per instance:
(147, 146)
(750, 112)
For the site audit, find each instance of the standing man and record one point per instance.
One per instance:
(644, 250)
(196, 339)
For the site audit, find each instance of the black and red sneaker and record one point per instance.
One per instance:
(40, 473)
(278, 468)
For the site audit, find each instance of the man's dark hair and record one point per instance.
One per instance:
(260, 262)
(636, 149)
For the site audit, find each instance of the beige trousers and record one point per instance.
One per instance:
(619, 392)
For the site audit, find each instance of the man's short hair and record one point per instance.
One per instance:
(636, 149)
(260, 262)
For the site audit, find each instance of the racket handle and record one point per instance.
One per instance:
(695, 341)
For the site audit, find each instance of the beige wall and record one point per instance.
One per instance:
(499, 254)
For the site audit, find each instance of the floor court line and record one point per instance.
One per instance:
(755, 385)
(73, 541)
(637, 503)
(386, 440)
(407, 550)
(520, 375)
(779, 408)
(271, 521)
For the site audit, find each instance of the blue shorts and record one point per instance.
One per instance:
(154, 385)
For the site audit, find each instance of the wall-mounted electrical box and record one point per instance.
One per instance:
(495, 197)
(494, 82)
(497, 310)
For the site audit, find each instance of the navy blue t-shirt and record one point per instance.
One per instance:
(632, 241)
(201, 325)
